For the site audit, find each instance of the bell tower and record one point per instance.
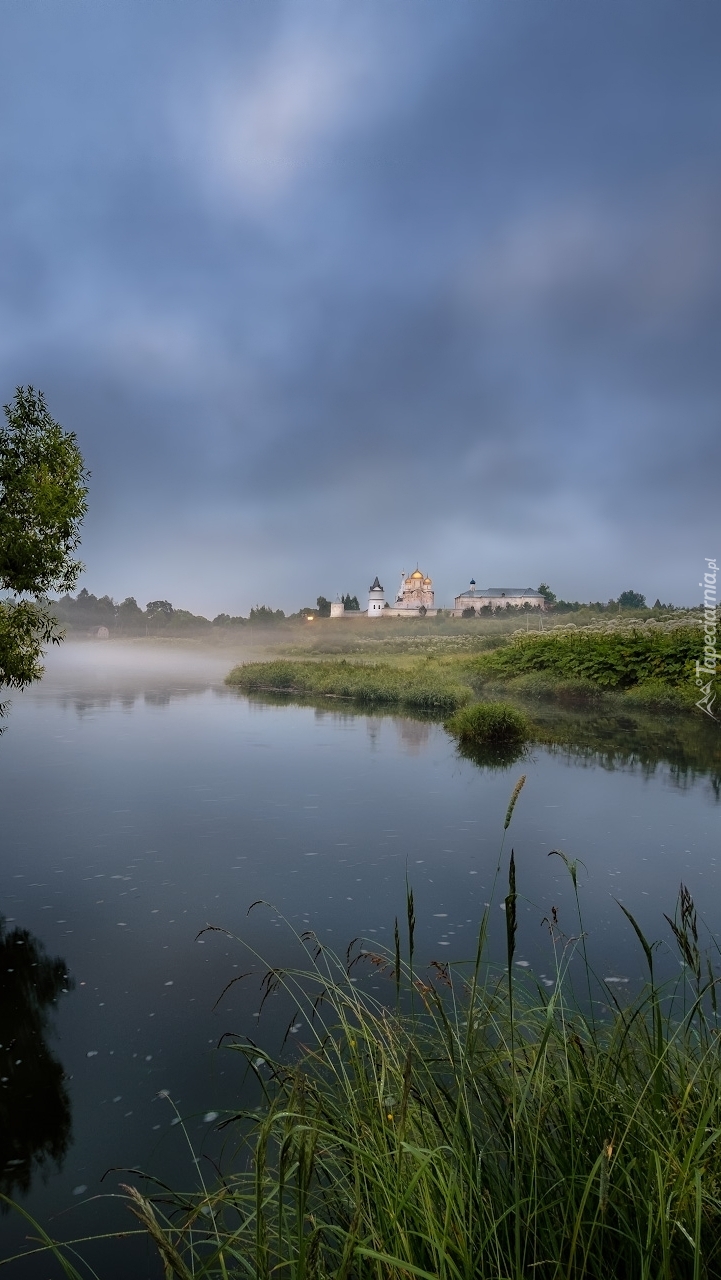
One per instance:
(376, 599)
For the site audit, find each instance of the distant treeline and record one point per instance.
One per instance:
(626, 600)
(86, 612)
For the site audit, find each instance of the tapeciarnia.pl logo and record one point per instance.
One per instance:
(707, 666)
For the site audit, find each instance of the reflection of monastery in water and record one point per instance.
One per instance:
(414, 598)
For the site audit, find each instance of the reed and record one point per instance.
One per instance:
(473, 1126)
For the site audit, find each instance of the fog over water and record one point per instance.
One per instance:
(143, 800)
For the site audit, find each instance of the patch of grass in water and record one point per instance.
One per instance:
(489, 724)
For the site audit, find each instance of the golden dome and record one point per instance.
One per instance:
(427, 582)
(417, 574)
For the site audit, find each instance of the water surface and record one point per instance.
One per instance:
(142, 800)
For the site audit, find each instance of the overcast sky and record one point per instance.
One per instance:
(331, 287)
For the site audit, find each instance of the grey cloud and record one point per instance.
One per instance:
(442, 276)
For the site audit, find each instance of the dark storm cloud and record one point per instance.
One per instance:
(445, 279)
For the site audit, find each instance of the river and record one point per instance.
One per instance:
(142, 800)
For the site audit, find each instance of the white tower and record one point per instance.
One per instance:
(376, 599)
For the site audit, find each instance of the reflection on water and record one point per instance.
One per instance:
(414, 734)
(689, 744)
(126, 699)
(496, 755)
(35, 1117)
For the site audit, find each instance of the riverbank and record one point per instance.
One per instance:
(650, 666)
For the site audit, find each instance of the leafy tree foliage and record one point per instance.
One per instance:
(350, 604)
(86, 613)
(548, 595)
(573, 606)
(226, 620)
(128, 615)
(323, 607)
(43, 490)
(25, 628)
(262, 614)
(43, 499)
(158, 607)
(632, 600)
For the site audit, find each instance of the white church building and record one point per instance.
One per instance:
(414, 598)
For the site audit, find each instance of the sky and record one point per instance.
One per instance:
(331, 288)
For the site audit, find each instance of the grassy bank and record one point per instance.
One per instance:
(647, 664)
(473, 1125)
(651, 665)
(419, 687)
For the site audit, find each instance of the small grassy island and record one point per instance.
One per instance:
(489, 724)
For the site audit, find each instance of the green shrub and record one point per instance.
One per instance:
(610, 659)
(488, 723)
(660, 696)
(544, 687)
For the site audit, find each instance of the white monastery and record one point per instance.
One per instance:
(478, 598)
(415, 598)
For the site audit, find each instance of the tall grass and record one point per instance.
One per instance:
(472, 1126)
(420, 688)
(488, 723)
